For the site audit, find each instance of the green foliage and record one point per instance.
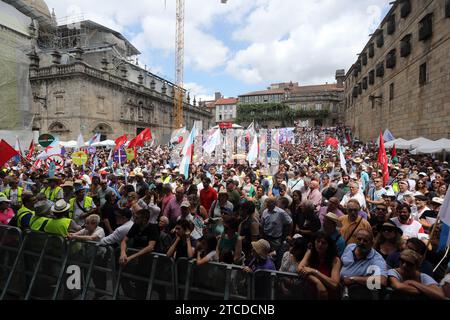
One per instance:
(246, 113)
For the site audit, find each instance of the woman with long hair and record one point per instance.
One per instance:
(295, 207)
(389, 239)
(321, 266)
(421, 187)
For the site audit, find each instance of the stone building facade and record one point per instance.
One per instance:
(314, 105)
(86, 78)
(401, 80)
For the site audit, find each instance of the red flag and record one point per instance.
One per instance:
(139, 140)
(383, 160)
(30, 150)
(6, 152)
(120, 141)
(332, 142)
(394, 151)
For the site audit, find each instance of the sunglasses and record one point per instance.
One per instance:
(363, 240)
(388, 230)
(381, 209)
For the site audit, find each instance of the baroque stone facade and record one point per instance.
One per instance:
(86, 78)
(401, 80)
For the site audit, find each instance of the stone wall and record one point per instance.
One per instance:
(397, 100)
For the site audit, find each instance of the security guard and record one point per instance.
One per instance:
(61, 225)
(42, 212)
(53, 192)
(26, 212)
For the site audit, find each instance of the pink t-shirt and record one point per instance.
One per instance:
(6, 216)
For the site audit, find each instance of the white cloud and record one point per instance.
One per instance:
(302, 41)
(198, 91)
(279, 40)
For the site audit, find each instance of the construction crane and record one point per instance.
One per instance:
(179, 65)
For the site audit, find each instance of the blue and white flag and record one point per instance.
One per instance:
(342, 159)
(444, 216)
(211, 143)
(94, 139)
(387, 136)
(188, 153)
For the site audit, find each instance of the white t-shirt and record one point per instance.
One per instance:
(409, 230)
(99, 232)
(359, 197)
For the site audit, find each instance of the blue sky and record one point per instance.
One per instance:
(244, 45)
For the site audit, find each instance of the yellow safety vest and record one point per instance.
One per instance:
(51, 195)
(23, 211)
(87, 205)
(58, 226)
(38, 223)
(19, 194)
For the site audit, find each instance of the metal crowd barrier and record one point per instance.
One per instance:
(146, 276)
(277, 285)
(36, 265)
(213, 281)
(11, 285)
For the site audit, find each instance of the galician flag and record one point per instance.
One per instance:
(188, 151)
(342, 158)
(383, 160)
(213, 140)
(444, 216)
(94, 139)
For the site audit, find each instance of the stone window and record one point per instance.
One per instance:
(318, 106)
(423, 73)
(355, 71)
(359, 88)
(405, 46)
(59, 104)
(355, 92)
(380, 38)
(371, 50)
(141, 110)
(364, 83)
(101, 105)
(426, 27)
(391, 24)
(405, 10)
(380, 69)
(372, 77)
(391, 91)
(390, 59)
(364, 58)
(447, 8)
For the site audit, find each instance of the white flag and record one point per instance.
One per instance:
(253, 152)
(213, 140)
(342, 158)
(80, 141)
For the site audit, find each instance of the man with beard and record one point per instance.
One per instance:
(410, 227)
(360, 263)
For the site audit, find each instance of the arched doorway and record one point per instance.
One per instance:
(104, 130)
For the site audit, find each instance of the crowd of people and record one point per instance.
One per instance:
(340, 229)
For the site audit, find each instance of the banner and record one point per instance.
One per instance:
(229, 146)
(240, 146)
(263, 147)
(198, 150)
(219, 149)
(274, 152)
